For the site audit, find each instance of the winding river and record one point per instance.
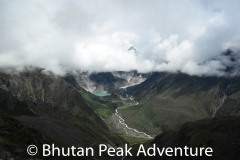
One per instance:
(120, 123)
(130, 131)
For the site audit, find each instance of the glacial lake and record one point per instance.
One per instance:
(100, 94)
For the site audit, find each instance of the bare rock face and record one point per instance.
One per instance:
(105, 82)
(51, 94)
(132, 77)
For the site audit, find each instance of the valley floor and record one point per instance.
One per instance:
(120, 126)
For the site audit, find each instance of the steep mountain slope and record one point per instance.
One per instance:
(169, 100)
(9, 104)
(14, 135)
(48, 92)
(49, 104)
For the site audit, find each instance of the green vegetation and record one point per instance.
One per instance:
(135, 108)
(156, 124)
(104, 112)
(98, 105)
(84, 119)
(130, 114)
(169, 100)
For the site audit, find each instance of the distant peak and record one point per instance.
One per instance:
(133, 48)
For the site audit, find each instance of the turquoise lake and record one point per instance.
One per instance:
(100, 94)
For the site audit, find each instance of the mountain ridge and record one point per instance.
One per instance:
(167, 100)
(47, 103)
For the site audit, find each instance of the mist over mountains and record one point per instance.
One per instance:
(186, 36)
(84, 73)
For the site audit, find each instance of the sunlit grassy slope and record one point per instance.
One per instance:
(169, 100)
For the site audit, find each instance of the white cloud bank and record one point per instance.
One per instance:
(180, 35)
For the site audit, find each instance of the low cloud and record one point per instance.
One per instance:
(186, 36)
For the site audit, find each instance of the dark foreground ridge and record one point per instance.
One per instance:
(221, 134)
(38, 107)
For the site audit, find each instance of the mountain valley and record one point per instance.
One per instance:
(137, 108)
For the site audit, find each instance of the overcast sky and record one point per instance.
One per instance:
(95, 35)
